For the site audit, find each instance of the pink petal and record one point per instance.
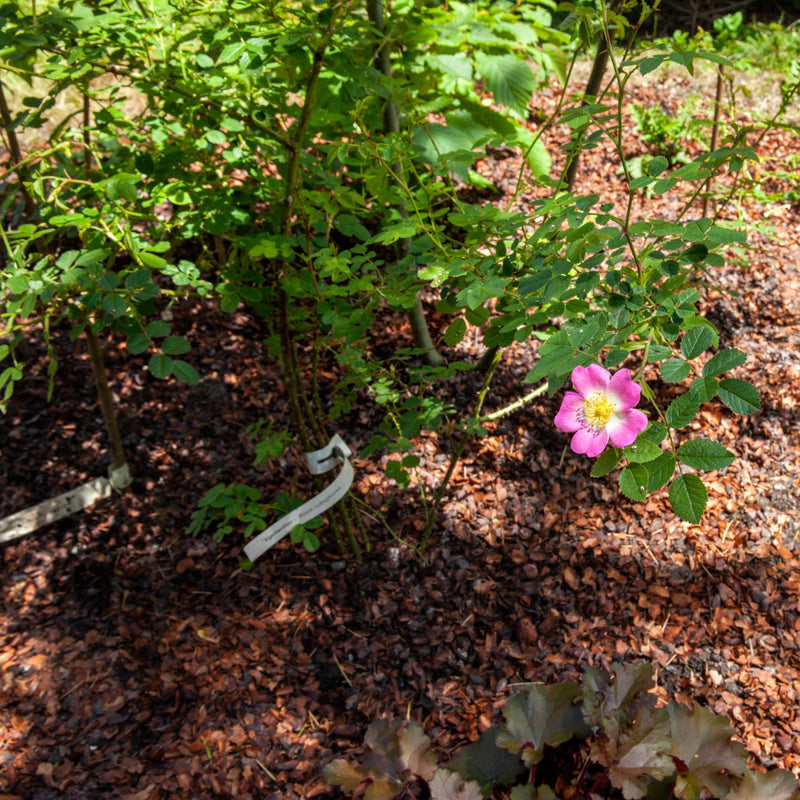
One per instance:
(567, 418)
(624, 389)
(623, 428)
(590, 379)
(589, 442)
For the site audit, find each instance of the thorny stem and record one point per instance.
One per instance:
(305, 411)
(715, 126)
(516, 405)
(106, 401)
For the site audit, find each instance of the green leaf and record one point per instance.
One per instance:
(654, 432)
(634, 481)
(153, 261)
(175, 346)
(696, 340)
(688, 497)
(702, 742)
(660, 471)
(674, 370)
(545, 715)
(535, 152)
(682, 410)
(704, 454)
(158, 328)
(739, 396)
(137, 343)
(115, 305)
(185, 372)
(616, 355)
(232, 52)
(657, 166)
(404, 229)
(137, 279)
(455, 332)
(723, 361)
(508, 78)
(160, 365)
(642, 451)
(658, 352)
(650, 63)
(477, 316)
(779, 784)
(606, 462)
(704, 389)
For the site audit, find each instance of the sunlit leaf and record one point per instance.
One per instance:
(739, 396)
(704, 454)
(688, 497)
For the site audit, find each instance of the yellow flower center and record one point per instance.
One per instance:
(597, 410)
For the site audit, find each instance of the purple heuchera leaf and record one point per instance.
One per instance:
(704, 753)
(779, 784)
(448, 785)
(601, 409)
(395, 752)
(544, 715)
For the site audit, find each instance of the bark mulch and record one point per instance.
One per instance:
(139, 663)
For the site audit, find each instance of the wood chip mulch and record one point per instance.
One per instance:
(139, 663)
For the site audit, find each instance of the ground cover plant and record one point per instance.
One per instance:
(265, 180)
(636, 748)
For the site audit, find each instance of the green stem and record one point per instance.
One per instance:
(515, 406)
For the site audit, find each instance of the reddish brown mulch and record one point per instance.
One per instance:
(138, 663)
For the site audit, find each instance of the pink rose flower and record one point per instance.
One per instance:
(601, 409)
